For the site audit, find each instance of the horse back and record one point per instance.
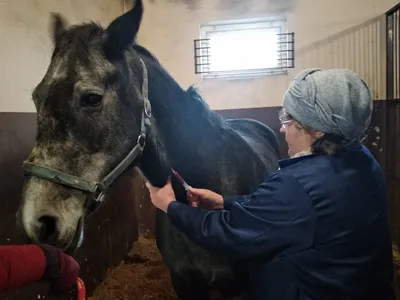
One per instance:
(261, 138)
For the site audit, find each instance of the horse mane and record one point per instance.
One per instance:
(194, 93)
(201, 106)
(195, 107)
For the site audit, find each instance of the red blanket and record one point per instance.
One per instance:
(20, 265)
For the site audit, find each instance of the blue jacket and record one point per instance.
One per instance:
(317, 229)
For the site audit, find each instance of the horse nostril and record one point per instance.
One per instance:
(48, 229)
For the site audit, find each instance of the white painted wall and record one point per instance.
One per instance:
(169, 28)
(26, 46)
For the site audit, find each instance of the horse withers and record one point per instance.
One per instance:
(105, 105)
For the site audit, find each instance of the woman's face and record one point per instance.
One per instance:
(297, 139)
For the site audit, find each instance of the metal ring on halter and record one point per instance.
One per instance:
(141, 141)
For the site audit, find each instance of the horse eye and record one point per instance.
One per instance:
(91, 100)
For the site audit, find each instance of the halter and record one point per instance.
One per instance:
(99, 189)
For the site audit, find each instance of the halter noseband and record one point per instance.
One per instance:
(99, 189)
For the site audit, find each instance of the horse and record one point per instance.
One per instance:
(105, 105)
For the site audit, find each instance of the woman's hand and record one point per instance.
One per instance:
(161, 197)
(205, 199)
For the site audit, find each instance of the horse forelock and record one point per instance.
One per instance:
(78, 39)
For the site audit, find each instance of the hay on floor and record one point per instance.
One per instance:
(143, 277)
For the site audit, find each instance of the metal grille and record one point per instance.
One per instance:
(286, 50)
(393, 53)
(201, 56)
(286, 54)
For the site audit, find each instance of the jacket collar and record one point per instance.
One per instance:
(283, 163)
(295, 158)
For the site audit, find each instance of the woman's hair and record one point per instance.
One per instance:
(328, 144)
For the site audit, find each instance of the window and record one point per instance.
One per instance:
(244, 48)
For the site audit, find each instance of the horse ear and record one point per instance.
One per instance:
(122, 31)
(58, 26)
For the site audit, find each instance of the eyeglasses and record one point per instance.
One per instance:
(285, 122)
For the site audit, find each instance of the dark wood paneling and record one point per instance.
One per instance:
(146, 209)
(109, 233)
(376, 140)
(384, 143)
(393, 166)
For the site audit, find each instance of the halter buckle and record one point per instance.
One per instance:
(98, 194)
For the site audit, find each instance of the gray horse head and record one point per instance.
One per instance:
(90, 112)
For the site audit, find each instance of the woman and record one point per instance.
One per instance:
(318, 228)
(22, 265)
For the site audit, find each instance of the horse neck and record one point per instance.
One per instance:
(183, 122)
(185, 129)
(179, 113)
